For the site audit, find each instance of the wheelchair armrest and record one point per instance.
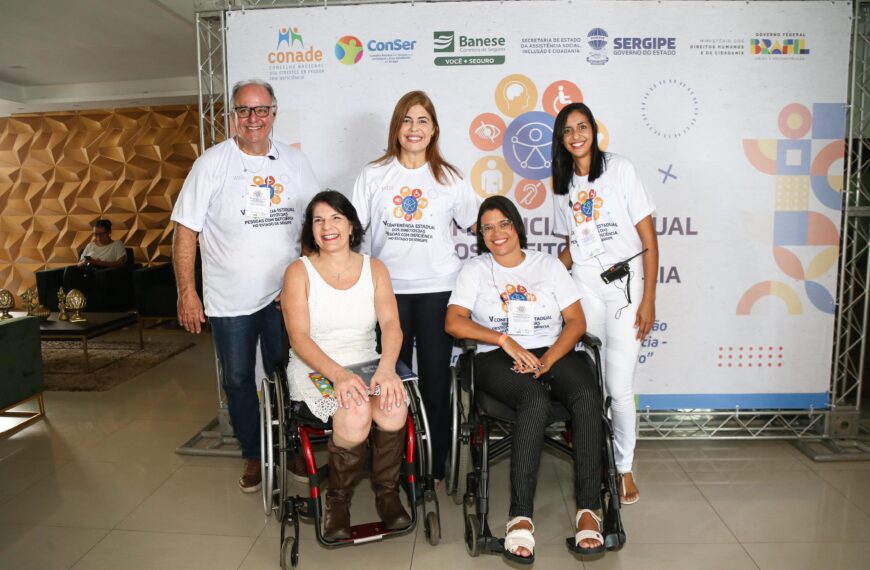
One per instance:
(591, 340)
(468, 345)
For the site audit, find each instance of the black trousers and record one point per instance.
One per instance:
(571, 382)
(78, 277)
(422, 320)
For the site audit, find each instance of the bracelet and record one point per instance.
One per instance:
(502, 338)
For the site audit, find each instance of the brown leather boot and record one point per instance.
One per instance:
(344, 465)
(388, 448)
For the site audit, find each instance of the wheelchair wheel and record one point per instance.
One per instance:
(281, 446)
(289, 553)
(472, 535)
(455, 426)
(272, 446)
(433, 528)
(267, 433)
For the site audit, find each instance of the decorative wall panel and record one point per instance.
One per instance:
(60, 172)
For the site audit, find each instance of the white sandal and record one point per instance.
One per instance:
(519, 538)
(587, 535)
(622, 492)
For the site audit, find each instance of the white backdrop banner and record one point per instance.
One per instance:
(733, 113)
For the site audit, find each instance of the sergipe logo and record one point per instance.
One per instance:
(349, 50)
(444, 41)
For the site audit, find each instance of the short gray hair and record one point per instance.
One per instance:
(264, 84)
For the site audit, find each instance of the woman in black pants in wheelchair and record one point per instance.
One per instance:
(523, 310)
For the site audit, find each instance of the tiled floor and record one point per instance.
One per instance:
(98, 485)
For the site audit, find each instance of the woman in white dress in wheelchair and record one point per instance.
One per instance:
(523, 310)
(331, 302)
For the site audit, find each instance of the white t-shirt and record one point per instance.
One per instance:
(244, 258)
(615, 202)
(411, 217)
(484, 287)
(111, 252)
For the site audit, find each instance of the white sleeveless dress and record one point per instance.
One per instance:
(342, 323)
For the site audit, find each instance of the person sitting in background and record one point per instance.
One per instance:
(99, 253)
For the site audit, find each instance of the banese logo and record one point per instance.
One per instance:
(444, 41)
(469, 50)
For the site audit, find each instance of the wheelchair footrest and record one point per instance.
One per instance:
(369, 532)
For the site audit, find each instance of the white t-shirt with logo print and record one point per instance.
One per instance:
(244, 258)
(484, 287)
(615, 202)
(411, 216)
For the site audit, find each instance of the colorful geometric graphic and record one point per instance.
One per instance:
(491, 176)
(527, 145)
(289, 37)
(530, 194)
(515, 293)
(409, 203)
(587, 206)
(275, 189)
(804, 168)
(487, 131)
(349, 50)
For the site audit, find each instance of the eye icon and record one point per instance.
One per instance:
(487, 131)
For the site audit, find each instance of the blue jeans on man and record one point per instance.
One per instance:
(236, 343)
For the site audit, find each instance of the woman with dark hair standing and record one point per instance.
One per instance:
(410, 197)
(332, 300)
(603, 209)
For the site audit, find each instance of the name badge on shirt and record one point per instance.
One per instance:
(257, 202)
(588, 239)
(521, 318)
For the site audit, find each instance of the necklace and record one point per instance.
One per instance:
(263, 159)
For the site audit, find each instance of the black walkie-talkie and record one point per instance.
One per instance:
(618, 270)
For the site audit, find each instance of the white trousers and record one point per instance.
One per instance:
(601, 302)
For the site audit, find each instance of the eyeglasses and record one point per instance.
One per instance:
(503, 225)
(260, 111)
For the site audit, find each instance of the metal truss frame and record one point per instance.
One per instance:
(838, 427)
